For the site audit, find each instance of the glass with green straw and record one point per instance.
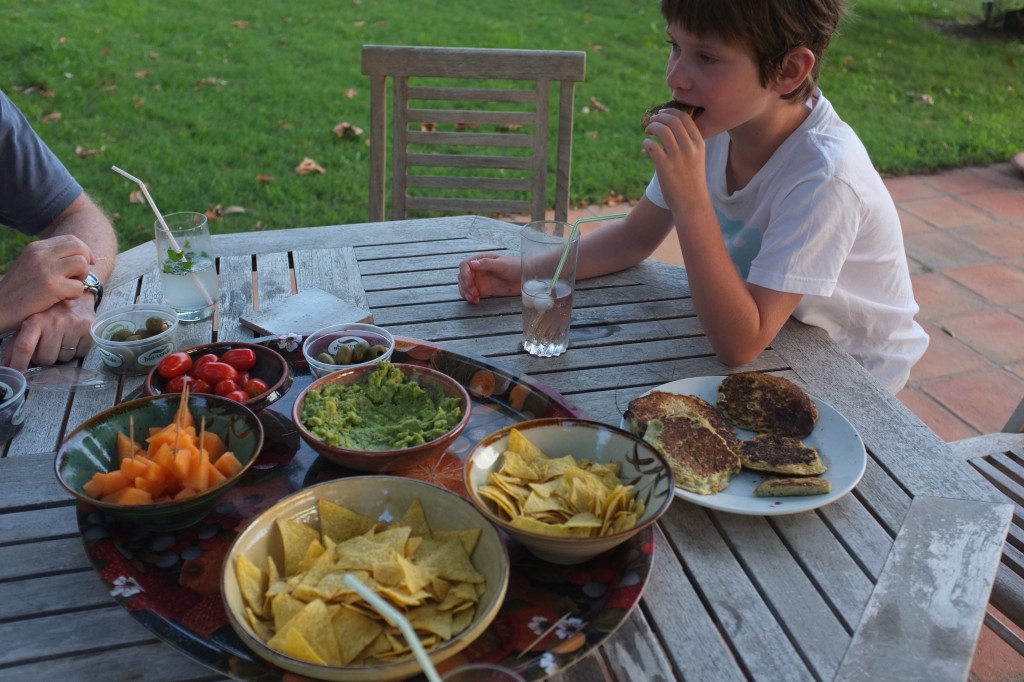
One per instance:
(550, 250)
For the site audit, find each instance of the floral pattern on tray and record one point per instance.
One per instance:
(552, 617)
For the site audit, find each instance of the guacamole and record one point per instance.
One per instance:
(388, 412)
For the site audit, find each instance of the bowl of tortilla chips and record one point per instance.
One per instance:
(425, 550)
(568, 489)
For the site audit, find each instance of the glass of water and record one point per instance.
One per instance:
(185, 259)
(548, 247)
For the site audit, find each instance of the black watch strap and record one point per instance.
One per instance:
(92, 284)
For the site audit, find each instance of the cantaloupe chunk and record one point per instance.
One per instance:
(199, 475)
(228, 464)
(185, 493)
(213, 444)
(110, 482)
(129, 495)
(126, 447)
(154, 488)
(133, 467)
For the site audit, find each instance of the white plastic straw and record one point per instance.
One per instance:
(167, 230)
(395, 617)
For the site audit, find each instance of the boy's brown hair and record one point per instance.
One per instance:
(768, 29)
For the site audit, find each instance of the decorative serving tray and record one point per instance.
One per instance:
(552, 616)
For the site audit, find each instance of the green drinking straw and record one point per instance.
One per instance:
(568, 243)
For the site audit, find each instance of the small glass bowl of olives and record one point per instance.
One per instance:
(134, 338)
(343, 346)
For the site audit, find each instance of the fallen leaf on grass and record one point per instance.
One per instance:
(136, 197)
(214, 213)
(85, 153)
(52, 117)
(142, 74)
(614, 199)
(211, 80)
(597, 105)
(350, 93)
(154, 55)
(922, 97)
(40, 90)
(263, 177)
(346, 129)
(308, 166)
(138, 102)
(240, 24)
(428, 127)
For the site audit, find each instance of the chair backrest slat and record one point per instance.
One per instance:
(438, 122)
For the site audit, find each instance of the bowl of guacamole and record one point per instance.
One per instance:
(381, 417)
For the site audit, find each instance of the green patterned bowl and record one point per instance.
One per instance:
(92, 447)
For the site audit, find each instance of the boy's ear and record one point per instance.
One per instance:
(796, 66)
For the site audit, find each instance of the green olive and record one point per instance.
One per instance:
(343, 356)
(325, 358)
(376, 351)
(121, 335)
(155, 325)
(359, 350)
(134, 337)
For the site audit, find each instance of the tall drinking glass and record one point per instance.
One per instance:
(547, 309)
(184, 255)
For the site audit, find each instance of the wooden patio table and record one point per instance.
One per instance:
(888, 582)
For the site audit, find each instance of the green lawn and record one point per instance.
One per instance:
(201, 98)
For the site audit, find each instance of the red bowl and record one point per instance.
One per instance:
(270, 366)
(384, 460)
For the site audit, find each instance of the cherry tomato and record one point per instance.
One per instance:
(225, 387)
(238, 396)
(240, 358)
(199, 386)
(212, 372)
(255, 386)
(203, 359)
(174, 365)
(176, 384)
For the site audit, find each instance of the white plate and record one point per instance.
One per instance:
(838, 443)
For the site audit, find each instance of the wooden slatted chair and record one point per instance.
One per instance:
(999, 457)
(470, 131)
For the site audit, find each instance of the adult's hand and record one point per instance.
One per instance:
(58, 334)
(46, 273)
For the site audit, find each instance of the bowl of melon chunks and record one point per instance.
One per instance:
(161, 462)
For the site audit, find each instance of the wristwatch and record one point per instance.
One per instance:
(92, 284)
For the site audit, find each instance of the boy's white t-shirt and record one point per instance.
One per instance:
(817, 220)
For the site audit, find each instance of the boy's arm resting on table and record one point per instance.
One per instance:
(612, 247)
(53, 314)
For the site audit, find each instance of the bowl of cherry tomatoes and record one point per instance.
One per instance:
(248, 373)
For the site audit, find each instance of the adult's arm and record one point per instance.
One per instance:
(44, 287)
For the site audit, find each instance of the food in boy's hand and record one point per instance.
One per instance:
(386, 412)
(767, 404)
(178, 463)
(645, 120)
(562, 496)
(781, 455)
(787, 487)
(300, 604)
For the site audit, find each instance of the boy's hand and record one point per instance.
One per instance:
(679, 158)
(489, 274)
